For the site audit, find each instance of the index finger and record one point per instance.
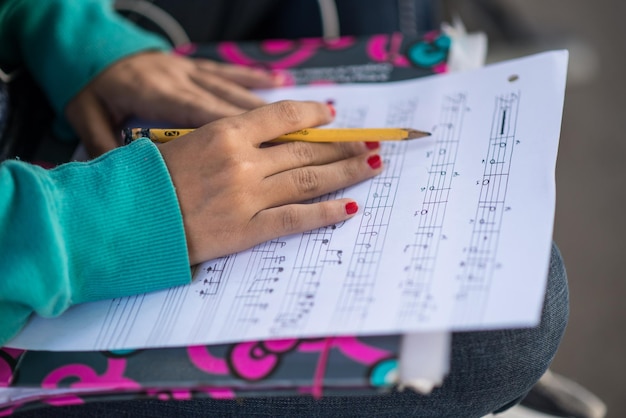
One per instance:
(268, 122)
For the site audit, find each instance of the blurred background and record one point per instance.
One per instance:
(590, 223)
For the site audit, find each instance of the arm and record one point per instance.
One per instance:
(65, 44)
(98, 69)
(113, 226)
(87, 231)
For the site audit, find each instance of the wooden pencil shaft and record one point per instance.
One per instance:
(307, 135)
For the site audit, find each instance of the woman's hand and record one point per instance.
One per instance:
(234, 193)
(165, 88)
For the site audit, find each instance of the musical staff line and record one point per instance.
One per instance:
(417, 302)
(357, 292)
(315, 254)
(481, 259)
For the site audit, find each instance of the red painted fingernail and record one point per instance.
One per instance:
(279, 78)
(351, 208)
(372, 145)
(333, 112)
(374, 161)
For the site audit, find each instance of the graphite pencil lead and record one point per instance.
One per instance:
(415, 134)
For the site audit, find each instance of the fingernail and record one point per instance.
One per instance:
(279, 78)
(351, 208)
(372, 145)
(333, 112)
(374, 161)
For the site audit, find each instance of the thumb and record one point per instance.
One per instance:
(93, 124)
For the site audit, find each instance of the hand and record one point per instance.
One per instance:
(161, 87)
(235, 193)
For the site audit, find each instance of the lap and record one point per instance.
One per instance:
(490, 371)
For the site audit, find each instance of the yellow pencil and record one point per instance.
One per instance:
(307, 135)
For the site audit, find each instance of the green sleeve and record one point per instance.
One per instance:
(66, 43)
(81, 232)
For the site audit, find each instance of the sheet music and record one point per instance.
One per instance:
(455, 234)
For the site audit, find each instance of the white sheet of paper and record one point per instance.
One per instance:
(455, 234)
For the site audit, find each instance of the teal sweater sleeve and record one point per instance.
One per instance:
(87, 231)
(66, 43)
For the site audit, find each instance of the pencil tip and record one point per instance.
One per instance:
(414, 134)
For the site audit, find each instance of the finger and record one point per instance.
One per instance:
(91, 121)
(228, 91)
(305, 183)
(188, 107)
(296, 218)
(290, 155)
(270, 121)
(245, 76)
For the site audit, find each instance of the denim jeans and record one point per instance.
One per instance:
(490, 372)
